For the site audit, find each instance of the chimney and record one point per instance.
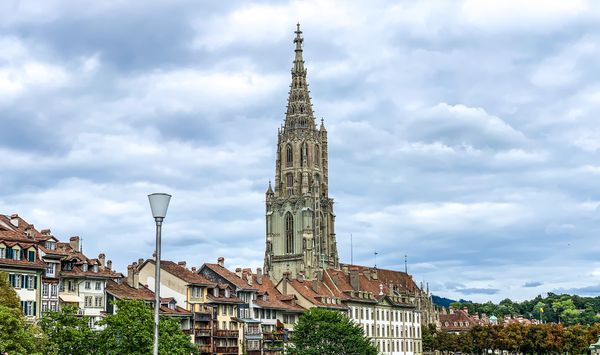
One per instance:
(193, 269)
(74, 243)
(102, 259)
(181, 263)
(221, 261)
(14, 220)
(354, 279)
(391, 289)
(249, 278)
(109, 264)
(315, 285)
(238, 272)
(300, 276)
(374, 274)
(46, 232)
(130, 275)
(466, 310)
(136, 276)
(259, 276)
(140, 261)
(345, 269)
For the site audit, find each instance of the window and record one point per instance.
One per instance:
(196, 292)
(28, 307)
(31, 256)
(45, 290)
(84, 267)
(98, 302)
(289, 233)
(45, 307)
(50, 245)
(88, 285)
(289, 183)
(50, 269)
(16, 254)
(98, 285)
(95, 268)
(289, 156)
(91, 322)
(53, 290)
(88, 301)
(2, 252)
(71, 286)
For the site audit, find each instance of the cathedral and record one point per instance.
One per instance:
(300, 219)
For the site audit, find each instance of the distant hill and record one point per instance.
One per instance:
(442, 301)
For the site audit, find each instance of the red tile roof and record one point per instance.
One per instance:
(273, 297)
(454, 321)
(230, 276)
(183, 273)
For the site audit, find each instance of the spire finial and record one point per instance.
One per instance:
(298, 40)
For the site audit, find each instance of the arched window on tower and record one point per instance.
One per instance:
(289, 233)
(289, 156)
(289, 184)
(317, 156)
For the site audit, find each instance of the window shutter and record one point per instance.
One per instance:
(31, 256)
(22, 280)
(34, 304)
(35, 282)
(11, 279)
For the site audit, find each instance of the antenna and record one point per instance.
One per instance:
(375, 254)
(405, 264)
(351, 251)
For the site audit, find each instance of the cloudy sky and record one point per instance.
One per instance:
(465, 134)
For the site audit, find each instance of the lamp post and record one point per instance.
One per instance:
(159, 202)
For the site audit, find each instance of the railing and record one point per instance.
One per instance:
(202, 317)
(203, 332)
(205, 348)
(227, 333)
(253, 331)
(227, 349)
(273, 336)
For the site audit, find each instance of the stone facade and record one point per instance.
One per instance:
(300, 235)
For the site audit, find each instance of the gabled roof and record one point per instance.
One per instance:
(317, 297)
(181, 272)
(124, 291)
(274, 299)
(458, 317)
(229, 276)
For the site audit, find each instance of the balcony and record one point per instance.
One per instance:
(273, 336)
(203, 332)
(227, 334)
(227, 350)
(205, 349)
(202, 317)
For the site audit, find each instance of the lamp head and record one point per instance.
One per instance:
(159, 202)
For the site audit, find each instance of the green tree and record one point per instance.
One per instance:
(321, 331)
(428, 335)
(68, 333)
(16, 336)
(8, 296)
(131, 331)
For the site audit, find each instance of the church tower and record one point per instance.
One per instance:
(299, 213)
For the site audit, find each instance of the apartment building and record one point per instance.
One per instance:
(19, 258)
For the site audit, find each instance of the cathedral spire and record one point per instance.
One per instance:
(299, 110)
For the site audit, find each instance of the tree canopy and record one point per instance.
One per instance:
(321, 331)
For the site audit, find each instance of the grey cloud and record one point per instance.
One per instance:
(533, 284)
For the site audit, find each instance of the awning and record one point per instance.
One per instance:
(70, 298)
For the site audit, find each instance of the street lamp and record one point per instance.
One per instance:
(159, 202)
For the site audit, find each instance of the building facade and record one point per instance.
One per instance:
(300, 233)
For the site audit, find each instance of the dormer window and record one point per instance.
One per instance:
(95, 268)
(227, 293)
(216, 292)
(84, 267)
(50, 245)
